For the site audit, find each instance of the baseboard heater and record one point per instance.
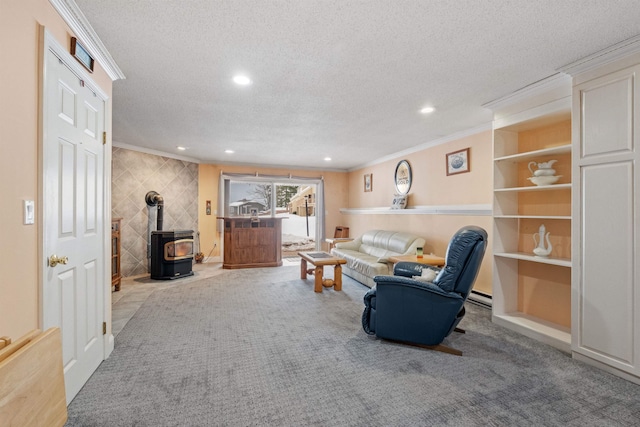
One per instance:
(480, 298)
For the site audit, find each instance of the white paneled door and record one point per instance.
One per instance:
(73, 219)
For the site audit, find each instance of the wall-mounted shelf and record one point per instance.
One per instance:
(475, 210)
(540, 217)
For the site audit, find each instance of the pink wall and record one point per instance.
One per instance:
(19, 120)
(431, 187)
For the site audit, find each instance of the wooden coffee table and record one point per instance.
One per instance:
(319, 260)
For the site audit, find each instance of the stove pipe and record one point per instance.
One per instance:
(154, 199)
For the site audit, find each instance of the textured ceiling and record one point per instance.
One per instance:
(337, 78)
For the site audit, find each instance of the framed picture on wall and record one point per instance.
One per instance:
(458, 162)
(368, 182)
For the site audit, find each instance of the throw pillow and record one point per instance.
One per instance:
(427, 275)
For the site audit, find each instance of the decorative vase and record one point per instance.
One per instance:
(539, 239)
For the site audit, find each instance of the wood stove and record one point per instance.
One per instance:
(171, 254)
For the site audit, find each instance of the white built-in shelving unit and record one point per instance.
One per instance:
(585, 297)
(531, 294)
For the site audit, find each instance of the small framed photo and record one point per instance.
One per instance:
(81, 54)
(458, 162)
(399, 201)
(368, 182)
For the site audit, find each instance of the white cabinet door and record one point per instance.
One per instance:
(606, 292)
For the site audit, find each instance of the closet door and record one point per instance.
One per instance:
(606, 294)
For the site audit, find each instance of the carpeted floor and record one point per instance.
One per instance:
(259, 347)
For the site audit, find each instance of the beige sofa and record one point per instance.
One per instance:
(368, 255)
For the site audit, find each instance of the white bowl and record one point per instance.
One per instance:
(544, 172)
(544, 180)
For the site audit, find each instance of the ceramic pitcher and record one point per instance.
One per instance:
(543, 168)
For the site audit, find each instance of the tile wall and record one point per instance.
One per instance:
(133, 175)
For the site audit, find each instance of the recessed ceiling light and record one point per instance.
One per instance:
(181, 148)
(427, 110)
(242, 80)
(327, 159)
(229, 151)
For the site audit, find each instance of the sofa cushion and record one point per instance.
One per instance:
(367, 265)
(386, 243)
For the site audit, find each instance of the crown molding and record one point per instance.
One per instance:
(75, 19)
(559, 82)
(159, 153)
(118, 144)
(605, 56)
(54, 46)
(272, 166)
(453, 137)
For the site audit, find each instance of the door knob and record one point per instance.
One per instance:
(54, 260)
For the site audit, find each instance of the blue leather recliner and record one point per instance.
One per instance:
(416, 312)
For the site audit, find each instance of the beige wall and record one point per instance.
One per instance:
(19, 119)
(335, 194)
(208, 176)
(431, 187)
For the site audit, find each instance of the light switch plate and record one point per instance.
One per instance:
(29, 212)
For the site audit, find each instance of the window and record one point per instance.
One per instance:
(294, 198)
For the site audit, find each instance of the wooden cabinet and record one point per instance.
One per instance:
(532, 294)
(606, 304)
(32, 388)
(116, 275)
(249, 243)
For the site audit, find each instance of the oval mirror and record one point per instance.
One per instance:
(403, 177)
